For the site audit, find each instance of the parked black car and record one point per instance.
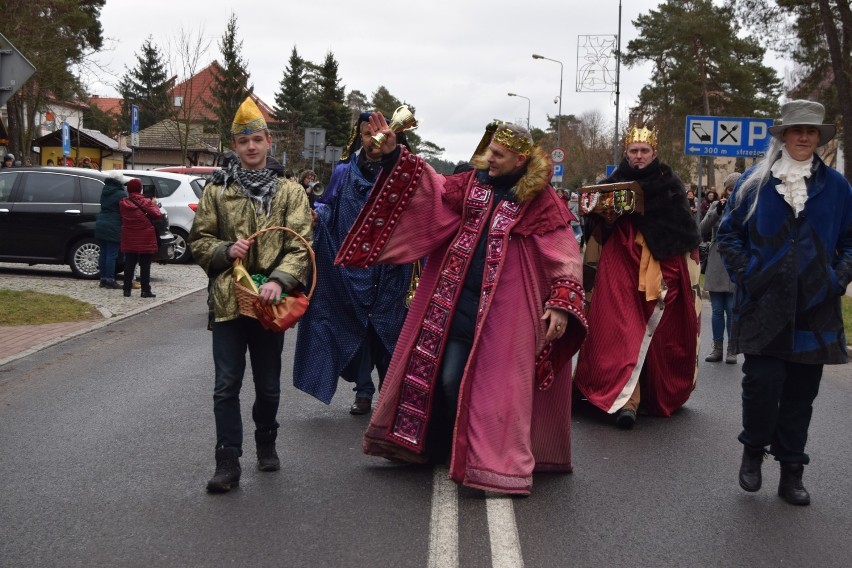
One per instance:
(47, 216)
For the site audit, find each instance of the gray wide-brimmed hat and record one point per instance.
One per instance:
(803, 113)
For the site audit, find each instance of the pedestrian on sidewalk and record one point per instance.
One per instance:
(239, 200)
(108, 228)
(138, 236)
(716, 279)
(786, 241)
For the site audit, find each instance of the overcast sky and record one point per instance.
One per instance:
(454, 60)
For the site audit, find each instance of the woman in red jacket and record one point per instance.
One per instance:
(138, 236)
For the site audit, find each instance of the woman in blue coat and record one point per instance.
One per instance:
(108, 228)
(786, 241)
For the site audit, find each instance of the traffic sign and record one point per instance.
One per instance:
(14, 70)
(66, 139)
(557, 173)
(557, 156)
(333, 154)
(726, 137)
(314, 142)
(134, 125)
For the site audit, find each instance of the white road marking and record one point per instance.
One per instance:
(444, 524)
(505, 544)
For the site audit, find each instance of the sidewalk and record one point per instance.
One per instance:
(169, 282)
(22, 340)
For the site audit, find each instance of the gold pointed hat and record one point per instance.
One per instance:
(248, 119)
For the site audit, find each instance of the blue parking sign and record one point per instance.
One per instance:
(66, 139)
(726, 137)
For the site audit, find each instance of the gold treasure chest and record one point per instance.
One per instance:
(611, 200)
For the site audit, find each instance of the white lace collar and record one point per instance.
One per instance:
(792, 174)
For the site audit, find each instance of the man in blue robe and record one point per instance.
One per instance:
(356, 314)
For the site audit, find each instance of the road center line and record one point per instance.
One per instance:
(444, 524)
(503, 532)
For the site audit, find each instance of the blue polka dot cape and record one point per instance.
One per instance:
(346, 300)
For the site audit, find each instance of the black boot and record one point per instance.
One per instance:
(790, 487)
(716, 354)
(267, 457)
(625, 418)
(148, 294)
(228, 471)
(750, 478)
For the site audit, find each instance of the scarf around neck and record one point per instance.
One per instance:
(792, 174)
(258, 185)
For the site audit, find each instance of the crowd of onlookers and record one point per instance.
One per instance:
(709, 198)
(9, 161)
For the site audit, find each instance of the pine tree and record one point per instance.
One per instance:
(147, 86)
(292, 101)
(356, 102)
(230, 83)
(333, 114)
(702, 67)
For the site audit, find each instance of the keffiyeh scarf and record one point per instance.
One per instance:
(258, 185)
(793, 186)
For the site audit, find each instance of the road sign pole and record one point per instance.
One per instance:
(698, 194)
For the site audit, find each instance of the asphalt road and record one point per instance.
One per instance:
(106, 443)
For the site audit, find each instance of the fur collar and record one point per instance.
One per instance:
(533, 182)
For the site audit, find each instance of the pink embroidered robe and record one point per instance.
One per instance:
(514, 408)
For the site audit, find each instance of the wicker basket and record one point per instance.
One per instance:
(276, 317)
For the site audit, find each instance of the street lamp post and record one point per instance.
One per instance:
(528, 106)
(559, 117)
(615, 159)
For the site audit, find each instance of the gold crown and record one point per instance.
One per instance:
(508, 139)
(643, 135)
(248, 119)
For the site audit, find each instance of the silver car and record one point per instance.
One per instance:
(179, 195)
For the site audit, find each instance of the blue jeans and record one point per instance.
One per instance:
(778, 401)
(231, 339)
(106, 260)
(723, 311)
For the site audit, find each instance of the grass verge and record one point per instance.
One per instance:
(32, 308)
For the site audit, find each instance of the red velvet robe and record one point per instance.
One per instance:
(626, 343)
(514, 411)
